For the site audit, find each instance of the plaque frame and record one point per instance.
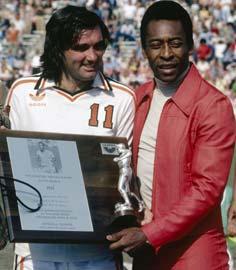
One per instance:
(100, 175)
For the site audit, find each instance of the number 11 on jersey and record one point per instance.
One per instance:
(94, 109)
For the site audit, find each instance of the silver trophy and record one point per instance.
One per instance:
(126, 210)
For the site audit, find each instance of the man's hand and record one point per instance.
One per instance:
(231, 227)
(148, 216)
(4, 121)
(127, 239)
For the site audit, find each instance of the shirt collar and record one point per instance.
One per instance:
(185, 96)
(101, 82)
(168, 89)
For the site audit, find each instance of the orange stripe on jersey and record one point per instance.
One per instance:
(68, 96)
(43, 83)
(104, 81)
(120, 87)
(17, 84)
(125, 89)
(22, 263)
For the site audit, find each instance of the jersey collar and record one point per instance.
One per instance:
(101, 82)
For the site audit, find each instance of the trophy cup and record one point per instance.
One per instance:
(125, 213)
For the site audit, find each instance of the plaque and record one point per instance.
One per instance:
(67, 186)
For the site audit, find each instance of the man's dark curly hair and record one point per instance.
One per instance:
(62, 31)
(167, 10)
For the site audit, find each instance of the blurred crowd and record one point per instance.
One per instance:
(22, 26)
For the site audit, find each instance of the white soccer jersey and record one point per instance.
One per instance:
(107, 109)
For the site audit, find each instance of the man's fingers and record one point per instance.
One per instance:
(115, 236)
(117, 245)
(127, 239)
(123, 243)
(120, 239)
(146, 220)
(148, 216)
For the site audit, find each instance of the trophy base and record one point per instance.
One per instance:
(123, 209)
(126, 221)
(124, 217)
(122, 222)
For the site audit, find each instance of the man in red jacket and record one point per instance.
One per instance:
(183, 144)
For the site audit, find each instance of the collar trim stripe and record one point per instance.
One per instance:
(105, 82)
(68, 96)
(43, 83)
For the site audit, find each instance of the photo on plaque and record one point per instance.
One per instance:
(44, 156)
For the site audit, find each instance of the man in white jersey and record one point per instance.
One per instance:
(45, 159)
(72, 95)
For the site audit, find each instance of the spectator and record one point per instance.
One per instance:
(203, 51)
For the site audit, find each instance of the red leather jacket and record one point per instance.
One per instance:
(194, 149)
